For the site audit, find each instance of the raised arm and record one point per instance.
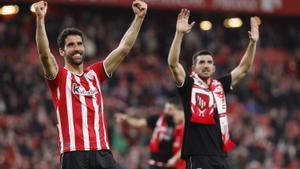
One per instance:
(182, 27)
(131, 121)
(48, 60)
(113, 60)
(246, 63)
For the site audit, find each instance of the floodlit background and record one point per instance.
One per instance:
(264, 108)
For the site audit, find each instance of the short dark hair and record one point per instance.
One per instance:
(171, 101)
(201, 52)
(66, 32)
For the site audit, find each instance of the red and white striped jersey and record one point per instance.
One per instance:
(77, 99)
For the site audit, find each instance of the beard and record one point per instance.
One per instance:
(75, 60)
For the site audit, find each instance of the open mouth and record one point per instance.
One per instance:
(77, 54)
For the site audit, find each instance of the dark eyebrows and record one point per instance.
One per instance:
(70, 44)
(202, 61)
(73, 43)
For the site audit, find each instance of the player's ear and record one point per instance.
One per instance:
(193, 67)
(61, 52)
(214, 68)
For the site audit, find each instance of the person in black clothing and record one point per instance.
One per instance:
(206, 134)
(163, 137)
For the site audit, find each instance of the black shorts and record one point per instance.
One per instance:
(207, 162)
(101, 159)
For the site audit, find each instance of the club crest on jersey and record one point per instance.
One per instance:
(80, 90)
(90, 75)
(202, 101)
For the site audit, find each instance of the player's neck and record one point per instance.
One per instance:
(206, 80)
(77, 69)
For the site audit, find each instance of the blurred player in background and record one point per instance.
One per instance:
(165, 143)
(206, 136)
(76, 93)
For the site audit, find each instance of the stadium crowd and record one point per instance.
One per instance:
(264, 111)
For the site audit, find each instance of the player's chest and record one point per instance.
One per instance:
(85, 85)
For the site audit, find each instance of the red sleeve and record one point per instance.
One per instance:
(99, 69)
(53, 83)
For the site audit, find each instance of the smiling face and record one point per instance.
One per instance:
(204, 66)
(73, 50)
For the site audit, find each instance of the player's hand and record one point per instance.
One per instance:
(183, 25)
(171, 163)
(120, 118)
(139, 8)
(254, 32)
(40, 8)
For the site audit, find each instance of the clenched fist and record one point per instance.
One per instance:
(139, 8)
(40, 8)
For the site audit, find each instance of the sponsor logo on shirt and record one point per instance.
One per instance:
(80, 90)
